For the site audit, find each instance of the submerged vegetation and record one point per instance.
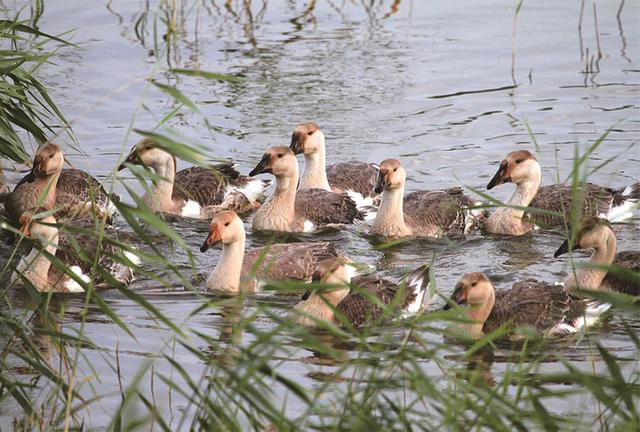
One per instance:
(52, 369)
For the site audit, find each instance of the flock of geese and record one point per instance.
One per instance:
(337, 195)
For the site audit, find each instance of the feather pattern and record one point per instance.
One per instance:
(356, 176)
(436, 213)
(627, 260)
(287, 261)
(323, 207)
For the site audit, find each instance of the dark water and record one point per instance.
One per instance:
(430, 84)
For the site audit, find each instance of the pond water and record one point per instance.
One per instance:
(431, 84)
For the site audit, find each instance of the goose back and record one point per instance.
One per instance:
(359, 177)
(436, 213)
(630, 261)
(529, 303)
(204, 185)
(323, 207)
(596, 200)
(287, 261)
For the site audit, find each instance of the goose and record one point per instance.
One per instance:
(420, 213)
(355, 308)
(239, 272)
(36, 267)
(548, 308)
(356, 179)
(522, 168)
(48, 186)
(286, 210)
(596, 233)
(190, 192)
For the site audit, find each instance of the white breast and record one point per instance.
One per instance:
(191, 209)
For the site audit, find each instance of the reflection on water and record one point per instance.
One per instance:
(431, 85)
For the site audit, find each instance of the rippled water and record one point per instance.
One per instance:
(430, 84)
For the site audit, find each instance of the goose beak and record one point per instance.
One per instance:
(39, 167)
(502, 176)
(457, 296)
(212, 239)
(24, 225)
(262, 167)
(564, 248)
(133, 158)
(297, 139)
(381, 182)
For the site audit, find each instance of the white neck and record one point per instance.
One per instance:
(508, 220)
(162, 195)
(591, 278)
(315, 172)
(225, 277)
(278, 212)
(389, 220)
(35, 266)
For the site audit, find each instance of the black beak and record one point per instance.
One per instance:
(38, 167)
(456, 297)
(501, 176)
(564, 248)
(296, 143)
(133, 158)
(380, 183)
(262, 166)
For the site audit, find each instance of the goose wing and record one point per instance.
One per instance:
(596, 200)
(529, 303)
(287, 261)
(358, 309)
(444, 209)
(76, 189)
(206, 186)
(629, 261)
(356, 176)
(323, 207)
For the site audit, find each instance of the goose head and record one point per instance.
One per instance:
(307, 138)
(391, 176)
(43, 229)
(146, 152)
(226, 228)
(48, 160)
(279, 161)
(517, 167)
(592, 233)
(475, 290)
(332, 271)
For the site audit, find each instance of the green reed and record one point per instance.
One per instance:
(379, 382)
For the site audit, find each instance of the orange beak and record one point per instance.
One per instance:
(212, 239)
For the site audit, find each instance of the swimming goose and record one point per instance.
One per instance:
(595, 233)
(48, 186)
(548, 308)
(522, 168)
(356, 308)
(37, 268)
(356, 179)
(191, 191)
(238, 272)
(286, 210)
(420, 213)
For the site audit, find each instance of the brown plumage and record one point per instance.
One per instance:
(296, 261)
(445, 209)
(629, 261)
(74, 192)
(548, 308)
(356, 176)
(420, 213)
(322, 207)
(207, 186)
(356, 299)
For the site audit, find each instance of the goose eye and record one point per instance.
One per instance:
(310, 133)
(280, 155)
(474, 284)
(227, 224)
(395, 169)
(51, 156)
(518, 161)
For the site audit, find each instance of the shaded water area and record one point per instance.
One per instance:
(430, 84)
